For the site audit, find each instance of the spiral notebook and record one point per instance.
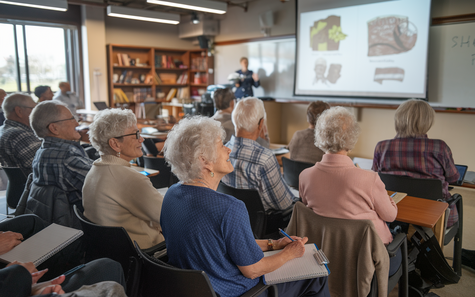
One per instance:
(305, 267)
(44, 244)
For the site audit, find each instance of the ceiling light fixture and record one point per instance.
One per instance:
(142, 15)
(58, 5)
(198, 5)
(194, 18)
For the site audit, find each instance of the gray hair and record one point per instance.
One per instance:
(108, 124)
(247, 114)
(14, 100)
(44, 114)
(189, 140)
(413, 118)
(336, 130)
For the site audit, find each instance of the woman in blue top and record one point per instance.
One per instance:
(248, 79)
(210, 231)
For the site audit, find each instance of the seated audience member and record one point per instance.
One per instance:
(115, 194)
(210, 231)
(3, 94)
(18, 143)
(102, 277)
(256, 167)
(61, 161)
(43, 93)
(413, 154)
(224, 101)
(335, 188)
(302, 145)
(70, 99)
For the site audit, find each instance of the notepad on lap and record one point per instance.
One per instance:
(44, 244)
(305, 267)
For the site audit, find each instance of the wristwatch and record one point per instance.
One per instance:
(270, 245)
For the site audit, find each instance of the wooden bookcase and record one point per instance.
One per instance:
(141, 72)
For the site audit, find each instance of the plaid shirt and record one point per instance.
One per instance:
(418, 157)
(62, 163)
(256, 168)
(18, 145)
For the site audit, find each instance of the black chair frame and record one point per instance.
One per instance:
(16, 185)
(292, 170)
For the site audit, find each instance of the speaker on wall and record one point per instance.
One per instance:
(203, 41)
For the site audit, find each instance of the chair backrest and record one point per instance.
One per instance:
(292, 170)
(16, 185)
(149, 147)
(161, 279)
(428, 188)
(113, 243)
(254, 207)
(164, 178)
(352, 246)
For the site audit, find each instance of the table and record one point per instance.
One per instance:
(423, 212)
(151, 172)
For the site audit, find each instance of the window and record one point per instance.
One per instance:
(34, 54)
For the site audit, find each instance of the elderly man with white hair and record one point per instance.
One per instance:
(18, 143)
(256, 167)
(61, 161)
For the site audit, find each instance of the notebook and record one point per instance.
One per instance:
(305, 267)
(43, 245)
(398, 196)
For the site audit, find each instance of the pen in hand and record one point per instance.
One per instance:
(285, 234)
(394, 194)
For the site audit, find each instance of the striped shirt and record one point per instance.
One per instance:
(18, 145)
(256, 168)
(62, 163)
(418, 157)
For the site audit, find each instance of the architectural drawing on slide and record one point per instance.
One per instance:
(326, 34)
(390, 35)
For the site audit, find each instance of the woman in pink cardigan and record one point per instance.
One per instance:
(335, 188)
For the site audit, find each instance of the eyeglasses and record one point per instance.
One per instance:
(137, 135)
(60, 121)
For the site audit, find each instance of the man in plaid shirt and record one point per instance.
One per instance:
(412, 153)
(61, 161)
(18, 143)
(256, 167)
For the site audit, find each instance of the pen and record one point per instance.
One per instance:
(74, 270)
(285, 234)
(394, 194)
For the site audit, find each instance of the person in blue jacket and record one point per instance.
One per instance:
(248, 79)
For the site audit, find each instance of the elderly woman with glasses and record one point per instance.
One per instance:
(210, 231)
(114, 193)
(335, 188)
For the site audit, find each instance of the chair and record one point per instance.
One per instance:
(166, 178)
(431, 189)
(113, 243)
(358, 258)
(15, 187)
(149, 147)
(161, 279)
(262, 223)
(292, 170)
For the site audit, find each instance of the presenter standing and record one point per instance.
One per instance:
(248, 79)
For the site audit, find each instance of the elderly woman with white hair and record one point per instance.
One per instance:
(210, 231)
(115, 194)
(335, 188)
(412, 153)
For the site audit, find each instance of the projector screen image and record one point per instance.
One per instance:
(369, 50)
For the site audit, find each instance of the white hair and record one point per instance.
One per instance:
(336, 130)
(189, 140)
(44, 114)
(247, 114)
(110, 123)
(14, 100)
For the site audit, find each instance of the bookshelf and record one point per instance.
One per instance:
(136, 73)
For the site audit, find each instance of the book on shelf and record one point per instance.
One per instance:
(305, 267)
(141, 94)
(182, 79)
(157, 79)
(120, 96)
(171, 94)
(119, 59)
(158, 61)
(183, 93)
(128, 77)
(43, 245)
(126, 59)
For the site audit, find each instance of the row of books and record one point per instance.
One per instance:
(125, 60)
(163, 61)
(199, 63)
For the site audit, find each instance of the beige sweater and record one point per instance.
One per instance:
(114, 194)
